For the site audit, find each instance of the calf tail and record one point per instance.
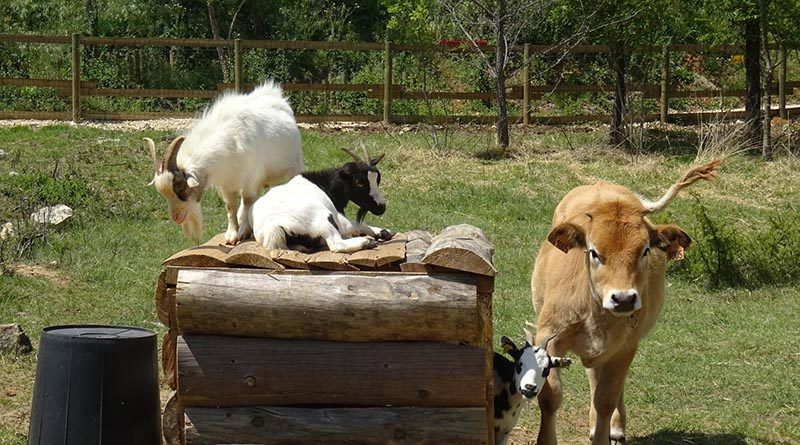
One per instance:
(706, 172)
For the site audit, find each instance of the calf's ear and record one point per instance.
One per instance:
(508, 346)
(671, 239)
(567, 236)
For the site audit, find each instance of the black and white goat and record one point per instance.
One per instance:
(307, 213)
(242, 143)
(519, 381)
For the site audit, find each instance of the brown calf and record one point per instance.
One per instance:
(599, 283)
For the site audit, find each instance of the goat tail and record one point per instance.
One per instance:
(707, 172)
(273, 237)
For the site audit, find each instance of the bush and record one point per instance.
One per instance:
(725, 255)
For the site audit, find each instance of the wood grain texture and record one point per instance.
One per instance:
(359, 306)
(417, 243)
(160, 298)
(210, 254)
(251, 254)
(336, 426)
(172, 421)
(231, 371)
(385, 254)
(462, 247)
(169, 358)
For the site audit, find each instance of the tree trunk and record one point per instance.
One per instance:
(769, 69)
(619, 64)
(221, 53)
(752, 64)
(500, 69)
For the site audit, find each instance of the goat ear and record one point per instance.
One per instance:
(344, 174)
(191, 180)
(508, 346)
(670, 238)
(567, 236)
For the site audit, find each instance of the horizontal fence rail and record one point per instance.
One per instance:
(388, 91)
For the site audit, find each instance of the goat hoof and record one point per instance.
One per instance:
(386, 235)
(231, 237)
(370, 243)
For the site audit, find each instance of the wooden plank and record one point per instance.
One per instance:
(485, 317)
(169, 357)
(150, 41)
(291, 259)
(385, 254)
(417, 242)
(160, 298)
(20, 38)
(150, 92)
(252, 254)
(210, 254)
(312, 45)
(462, 247)
(328, 305)
(318, 87)
(268, 425)
(330, 261)
(313, 119)
(239, 371)
(137, 115)
(45, 115)
(173, 426)
(44, 83)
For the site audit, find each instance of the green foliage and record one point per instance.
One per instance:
(726, 254)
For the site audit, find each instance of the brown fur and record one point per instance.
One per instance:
(631, 253)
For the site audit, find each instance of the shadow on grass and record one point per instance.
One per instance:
(670, 437)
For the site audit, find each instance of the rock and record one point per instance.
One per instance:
(54, 215)
(6, 231)
(13, 339)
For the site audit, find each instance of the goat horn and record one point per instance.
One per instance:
(154, 155)
(170, 161)
(353, 154)
(547, 341)
(366, 155)
(377, 159)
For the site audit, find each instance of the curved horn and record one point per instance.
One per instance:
(353, 154)
(366, 155)
(154, 155)
(377, 159)
(169, 162)
(547, 341)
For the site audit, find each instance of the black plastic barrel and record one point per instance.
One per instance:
(96, 385)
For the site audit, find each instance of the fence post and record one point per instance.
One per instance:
(76, 78)
(238, 71)
(387, 86)
(526, 87)
(782, 84)
(664, 103)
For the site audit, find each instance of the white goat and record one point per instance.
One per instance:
(242, 143)
(307, 213)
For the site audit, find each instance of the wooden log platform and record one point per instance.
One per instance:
(386, 345)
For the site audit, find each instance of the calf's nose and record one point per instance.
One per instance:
(529, 391)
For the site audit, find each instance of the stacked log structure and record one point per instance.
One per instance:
(391, 345)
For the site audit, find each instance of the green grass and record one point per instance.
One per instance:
(719, 368)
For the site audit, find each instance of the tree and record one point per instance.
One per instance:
(505, 20)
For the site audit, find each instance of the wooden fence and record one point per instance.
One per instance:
(388, 91)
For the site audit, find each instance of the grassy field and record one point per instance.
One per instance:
(721, 367)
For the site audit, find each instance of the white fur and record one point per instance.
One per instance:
(242, 143)
(300, 207)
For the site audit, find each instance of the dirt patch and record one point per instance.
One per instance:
(49, 273)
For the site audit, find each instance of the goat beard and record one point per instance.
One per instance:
(362, 213)
(193, 225)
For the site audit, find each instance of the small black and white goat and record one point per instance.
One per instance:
(307, 213)
(519, 381)
(242, 143)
